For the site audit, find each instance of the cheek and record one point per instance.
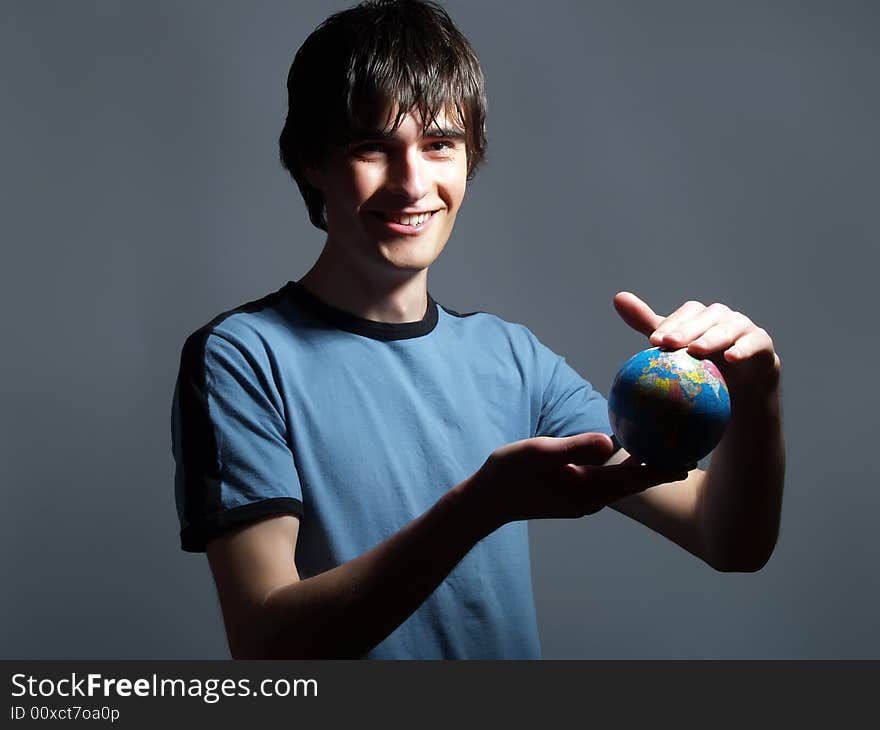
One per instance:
(351, 188)
(461, 179)
(455, 186)
(364, 182)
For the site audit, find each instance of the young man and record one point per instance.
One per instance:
(358, 461)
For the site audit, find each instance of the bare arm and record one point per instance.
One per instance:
(345, 612)
(740, 504)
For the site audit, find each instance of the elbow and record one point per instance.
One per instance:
(275, 641)
(289, 653)
(743, 562)
(263, 644)
(260, 649)
(263, 653)
(745, 566)
(244, 653)
(245, 646)
(264, 631)
(256, 638)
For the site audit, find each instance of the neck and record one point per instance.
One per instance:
(396, 298)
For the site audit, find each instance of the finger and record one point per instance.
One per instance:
(719, 337)
(752, 344)
(631, 470)
(692, 328)
(603, 485)
(611, 489)
(583, 449)
(673, 470)
(619, 490)
(636, 313)
(628, 476)
(667, 329)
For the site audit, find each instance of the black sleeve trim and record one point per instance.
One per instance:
(195, 537)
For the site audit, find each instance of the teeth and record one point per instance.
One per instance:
(410, 220)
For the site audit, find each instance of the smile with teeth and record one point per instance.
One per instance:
(408, 220)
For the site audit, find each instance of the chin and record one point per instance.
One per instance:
(409, 265)
(410, 260)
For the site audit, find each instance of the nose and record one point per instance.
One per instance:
(408, 176)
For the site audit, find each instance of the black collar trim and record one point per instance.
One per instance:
(343, 320)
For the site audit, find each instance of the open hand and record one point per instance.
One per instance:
(558, 477)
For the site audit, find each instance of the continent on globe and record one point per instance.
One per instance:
(668, 408)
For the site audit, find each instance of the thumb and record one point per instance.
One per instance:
(585, 449)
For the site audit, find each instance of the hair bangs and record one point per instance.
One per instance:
(419, 77)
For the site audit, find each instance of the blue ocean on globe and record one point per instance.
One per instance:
(668, 408)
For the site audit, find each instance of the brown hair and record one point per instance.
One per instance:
(401, 55)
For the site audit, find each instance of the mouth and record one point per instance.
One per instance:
(405, 223)
(404, 219)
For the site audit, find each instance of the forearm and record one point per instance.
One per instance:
(346, 611)
(741, 500)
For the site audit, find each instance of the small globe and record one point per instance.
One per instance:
(668, 408)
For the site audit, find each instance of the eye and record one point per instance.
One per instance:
(366, 149)
(442, 145)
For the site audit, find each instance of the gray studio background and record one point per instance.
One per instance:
(716, 151)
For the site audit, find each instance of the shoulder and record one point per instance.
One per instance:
(253, 327)
(488, 328)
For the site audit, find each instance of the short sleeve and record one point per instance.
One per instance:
(233, 463)
(569, 403)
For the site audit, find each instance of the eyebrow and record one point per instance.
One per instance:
(433, 132)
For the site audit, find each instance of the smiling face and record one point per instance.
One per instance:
(378, 189)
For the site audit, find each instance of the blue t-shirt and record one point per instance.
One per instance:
(287, 405)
